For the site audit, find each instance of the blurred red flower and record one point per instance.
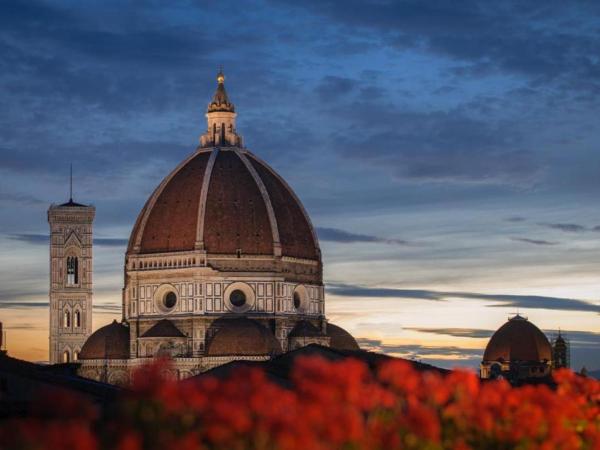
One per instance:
(330, 405)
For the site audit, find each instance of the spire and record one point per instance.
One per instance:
(71, 202)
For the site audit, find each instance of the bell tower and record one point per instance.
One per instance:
(561, 352)
(70, 279)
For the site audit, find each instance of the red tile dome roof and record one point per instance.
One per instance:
(241, 337)
(518, 340)
(109, 342)
(223, 200)
(340, 338)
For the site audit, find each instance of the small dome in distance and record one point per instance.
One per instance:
(518, 340)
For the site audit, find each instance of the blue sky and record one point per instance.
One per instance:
(448, 153)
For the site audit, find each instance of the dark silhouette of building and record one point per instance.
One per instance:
(518, 351)
(561, 354)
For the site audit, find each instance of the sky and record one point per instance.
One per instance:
(447, 152)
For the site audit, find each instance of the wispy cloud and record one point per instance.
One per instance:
(337, 235)
(416, 351)
(500, 300)
(533, 241)
(22, 305)
(567, 227)
(108, 307)
(456, 332)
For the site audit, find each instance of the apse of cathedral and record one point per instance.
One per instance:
(223, 264)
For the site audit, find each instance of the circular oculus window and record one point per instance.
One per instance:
(170, 300)
(237, 298)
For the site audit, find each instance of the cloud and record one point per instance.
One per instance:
(337, 235)
(456, 332)
(15, 198)
(22, 305)
(542, 43)
(577, 339)
(110, 242)
(332, 87)
(500, 300)
(108, 307)
(21, 326)
(44, 239)
(31, 238)
(516, 219)
(567, 227)
(533, 241)
(584, 347)
(438, 146)
(428, 353)
(348, 290)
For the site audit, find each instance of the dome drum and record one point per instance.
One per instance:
(179, 297)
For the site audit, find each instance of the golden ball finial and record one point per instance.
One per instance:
(220, 77)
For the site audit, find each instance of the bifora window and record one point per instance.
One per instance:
(170, 299)
(237, 298)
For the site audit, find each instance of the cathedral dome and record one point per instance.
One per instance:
(224, 201)
(241, 337)
(109, 342)
(518, 340)
(340, 338)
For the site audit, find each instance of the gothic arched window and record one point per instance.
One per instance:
(75, 355)
(72, 270)
(77, 319)
(67, 319)
(66, 356)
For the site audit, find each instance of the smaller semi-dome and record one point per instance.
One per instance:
(340, 338)
(109, 342)
(518, 340)
(241, 337)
